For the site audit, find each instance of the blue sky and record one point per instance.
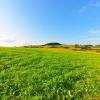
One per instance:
(24, 22)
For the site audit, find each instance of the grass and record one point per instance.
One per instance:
(43, 74)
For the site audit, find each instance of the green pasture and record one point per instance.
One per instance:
(40, 74)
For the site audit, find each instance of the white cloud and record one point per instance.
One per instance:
(89, 5)
(9, 36)
(92, 37)
(15, 39)
(90, 41)
(97, 31)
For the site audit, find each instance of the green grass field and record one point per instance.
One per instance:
(40, 74)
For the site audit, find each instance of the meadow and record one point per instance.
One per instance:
(43, 74)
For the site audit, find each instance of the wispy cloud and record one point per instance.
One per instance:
(92, 37)
(97, 31)
(8, 41)
(89, 41)
(89, 5)
(15, 40)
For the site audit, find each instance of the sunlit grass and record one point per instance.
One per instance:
(48, 74)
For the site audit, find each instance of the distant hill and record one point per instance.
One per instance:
(53, 43)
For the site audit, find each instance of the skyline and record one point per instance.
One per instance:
(24, 22)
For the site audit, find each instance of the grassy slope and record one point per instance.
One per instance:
(27, 74)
